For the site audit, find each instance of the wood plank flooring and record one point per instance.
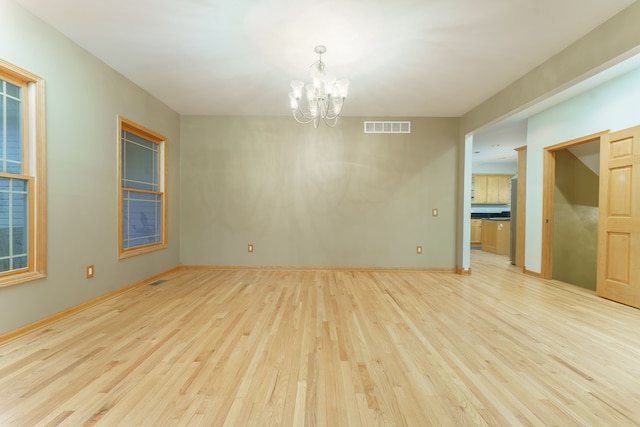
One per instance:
(332, 348)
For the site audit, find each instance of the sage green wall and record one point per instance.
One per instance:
(83, 99)
(575, 232)
(317, 197)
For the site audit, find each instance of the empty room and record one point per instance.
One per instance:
(410, 213)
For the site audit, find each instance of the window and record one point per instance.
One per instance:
(143, 198)
(22, 176)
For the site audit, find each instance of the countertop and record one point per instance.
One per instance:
(491, 215)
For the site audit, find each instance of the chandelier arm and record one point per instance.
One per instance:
(330, 121)
(301, 116)
(305, 121)
(323, 108)
(333, 115)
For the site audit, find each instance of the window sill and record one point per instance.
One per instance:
(141, 250)
(16, 279)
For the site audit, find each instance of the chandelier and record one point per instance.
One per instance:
(324, 95)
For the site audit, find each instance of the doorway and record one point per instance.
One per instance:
(575, 213)
(570, 211)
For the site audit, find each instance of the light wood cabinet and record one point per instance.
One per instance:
(496, 236)
(504, 189)
(479, 189)
(491, 189)
(476, 232)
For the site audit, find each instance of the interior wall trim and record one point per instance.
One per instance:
(284, 268)
(463, 272)
(532, 273)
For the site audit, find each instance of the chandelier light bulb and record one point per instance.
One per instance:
(311, 92)
(325, 95)
(297, 86)
(343, 88)
(293, 99)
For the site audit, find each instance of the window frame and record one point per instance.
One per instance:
(163, 172)
(33, 171)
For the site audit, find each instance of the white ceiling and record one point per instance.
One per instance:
(436, 58)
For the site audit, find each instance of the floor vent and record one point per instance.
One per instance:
(387, 127)
(157, 282)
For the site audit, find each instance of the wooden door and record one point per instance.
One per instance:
(619, 218)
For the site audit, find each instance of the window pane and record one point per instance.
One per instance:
(20, 262)
(14, 143)
(14, 224)
(10, 129)
(142, 219)
(140, 163)
(12, 90)
(20, 224)
(5, 225)
(2, 122)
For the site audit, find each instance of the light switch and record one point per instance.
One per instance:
(434, 212)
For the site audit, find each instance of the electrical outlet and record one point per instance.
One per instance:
(90, 271)
(250, 247)
(419, 250)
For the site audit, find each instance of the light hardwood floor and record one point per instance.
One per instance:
(332, 348)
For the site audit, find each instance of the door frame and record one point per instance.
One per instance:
(548, 194)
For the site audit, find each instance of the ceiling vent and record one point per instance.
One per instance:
(387, 127)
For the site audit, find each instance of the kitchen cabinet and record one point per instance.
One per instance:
(479, 189)
(491, 189)
(476, 232)
(504, 189)
(496, 236)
